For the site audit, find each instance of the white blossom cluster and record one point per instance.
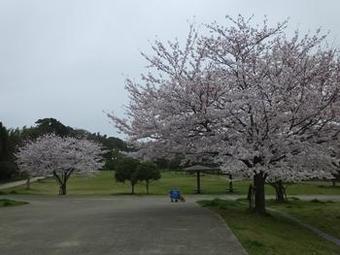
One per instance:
(54, 155)
(247, 96)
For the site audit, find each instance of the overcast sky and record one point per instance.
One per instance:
(68, 59)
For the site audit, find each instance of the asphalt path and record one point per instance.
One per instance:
(118, 225)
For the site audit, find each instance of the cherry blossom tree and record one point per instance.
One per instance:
(243, 93)
(60, 157)
(336, 160)
(311, 168)
(307, 165)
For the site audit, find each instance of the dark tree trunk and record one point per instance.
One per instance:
(333, 183)
(250, 196)
(62, 189)
(147, 186)
(198, 182)
(132, 188)
(280, 192)
(28, 182)
(62, 180)
(260, 201)
(231, 189)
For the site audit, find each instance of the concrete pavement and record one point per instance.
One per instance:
(122, 225)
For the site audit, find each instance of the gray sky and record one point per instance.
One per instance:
(68, 59)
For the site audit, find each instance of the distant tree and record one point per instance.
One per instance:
(52, 126)
(110, 144)
(336, 162)
(336, 178)
(45, 126)
(148, 172)
(60, 157)
(127, 170)
(162, 163)
(14, 139)
(8, 169)
(172, 163)
(334, 152)
(11, 139)
(4, 153)
(116, 157)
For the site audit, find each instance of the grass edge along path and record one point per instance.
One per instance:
(322, 215)
(317, 231)
(270, 234)
(9, 202)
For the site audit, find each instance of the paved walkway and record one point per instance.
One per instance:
(18, 183)
(121, 225)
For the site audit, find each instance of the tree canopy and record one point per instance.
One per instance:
(244, 94)
(134, 171)
(59, 156)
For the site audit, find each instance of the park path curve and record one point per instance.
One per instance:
(122, 225)
(12, 184)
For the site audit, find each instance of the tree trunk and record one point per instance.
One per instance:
(28, 182)
(62, 189)
(250, 196)
(62, 180)
(333, 183)
(260, 201)
(198, 176)
(231, 189)
(147, 186)
(132, 188)
(280, 192)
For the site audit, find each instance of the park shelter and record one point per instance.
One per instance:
(198, 169)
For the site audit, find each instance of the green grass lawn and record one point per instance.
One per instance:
(271, 234)
(305, 188)
(8, 202)
(313, 188)
(104, 184)
(324, 215)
